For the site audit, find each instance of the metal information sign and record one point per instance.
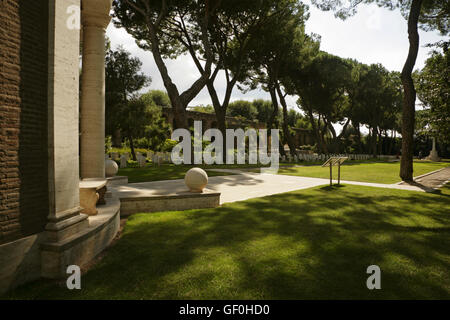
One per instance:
(335, 161)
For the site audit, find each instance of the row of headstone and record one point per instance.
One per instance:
(124, 160)
(320, 157)
(160, 157)
(115, 156)
(141, 160)
(157, 158)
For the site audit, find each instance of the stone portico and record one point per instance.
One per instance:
(75, 136)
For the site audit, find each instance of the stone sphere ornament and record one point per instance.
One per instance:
(111, 168)
(196, 180)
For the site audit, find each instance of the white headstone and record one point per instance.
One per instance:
(123, 160)
(141, 160)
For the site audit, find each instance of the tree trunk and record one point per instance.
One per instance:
(274, 114)
(332, 130)
(222, 126)
(220, 110)
(281, 148)
(390, 143)
(172, 91)
(334, 145)
(287, 134)
(133, 153)
(273, 122)
(380, 142)
(374, 141)
(358, 134)
(409, 99)
(344, 129)
(179, 101)
(316, 130)
(322, 134)
(179, 114)
(117, 139)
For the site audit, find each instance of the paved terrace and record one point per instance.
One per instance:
(241, 186)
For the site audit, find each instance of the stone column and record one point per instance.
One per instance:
(95, 19)
(64, 216)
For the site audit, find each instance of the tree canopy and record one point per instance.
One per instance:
(263, 44)
(433, 91)
(426, 14)
(435, 14)
(123, 79)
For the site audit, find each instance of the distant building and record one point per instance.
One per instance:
(209, 120)
(302, 136)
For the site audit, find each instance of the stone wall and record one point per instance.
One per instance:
(209, 120)
(23, 118)
(303, 137)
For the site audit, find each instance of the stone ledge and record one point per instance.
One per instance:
(96, 223)
(184, 195)
(116, 181)
(83, 246)
(172, 202)
(66, 228)
(20, 261)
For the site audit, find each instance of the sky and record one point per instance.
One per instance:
(373, 35)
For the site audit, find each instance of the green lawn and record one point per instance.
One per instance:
(308, 244)
(379, 172)
(172, 172)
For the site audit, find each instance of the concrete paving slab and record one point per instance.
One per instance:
(432, 180)
(240, 186)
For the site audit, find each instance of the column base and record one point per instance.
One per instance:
(434, 156)
(82, 247)
(70, 223)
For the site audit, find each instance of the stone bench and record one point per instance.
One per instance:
(92, 192)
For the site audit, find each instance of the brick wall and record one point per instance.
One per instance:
(23, 118)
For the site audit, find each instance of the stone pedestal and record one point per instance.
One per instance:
(434, 156)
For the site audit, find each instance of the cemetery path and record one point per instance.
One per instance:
(242, 186)
(433, 180)
(274, 184)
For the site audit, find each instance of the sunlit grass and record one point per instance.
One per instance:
(172, 172)
(380, 172)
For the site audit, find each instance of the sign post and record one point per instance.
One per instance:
(335, 161)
